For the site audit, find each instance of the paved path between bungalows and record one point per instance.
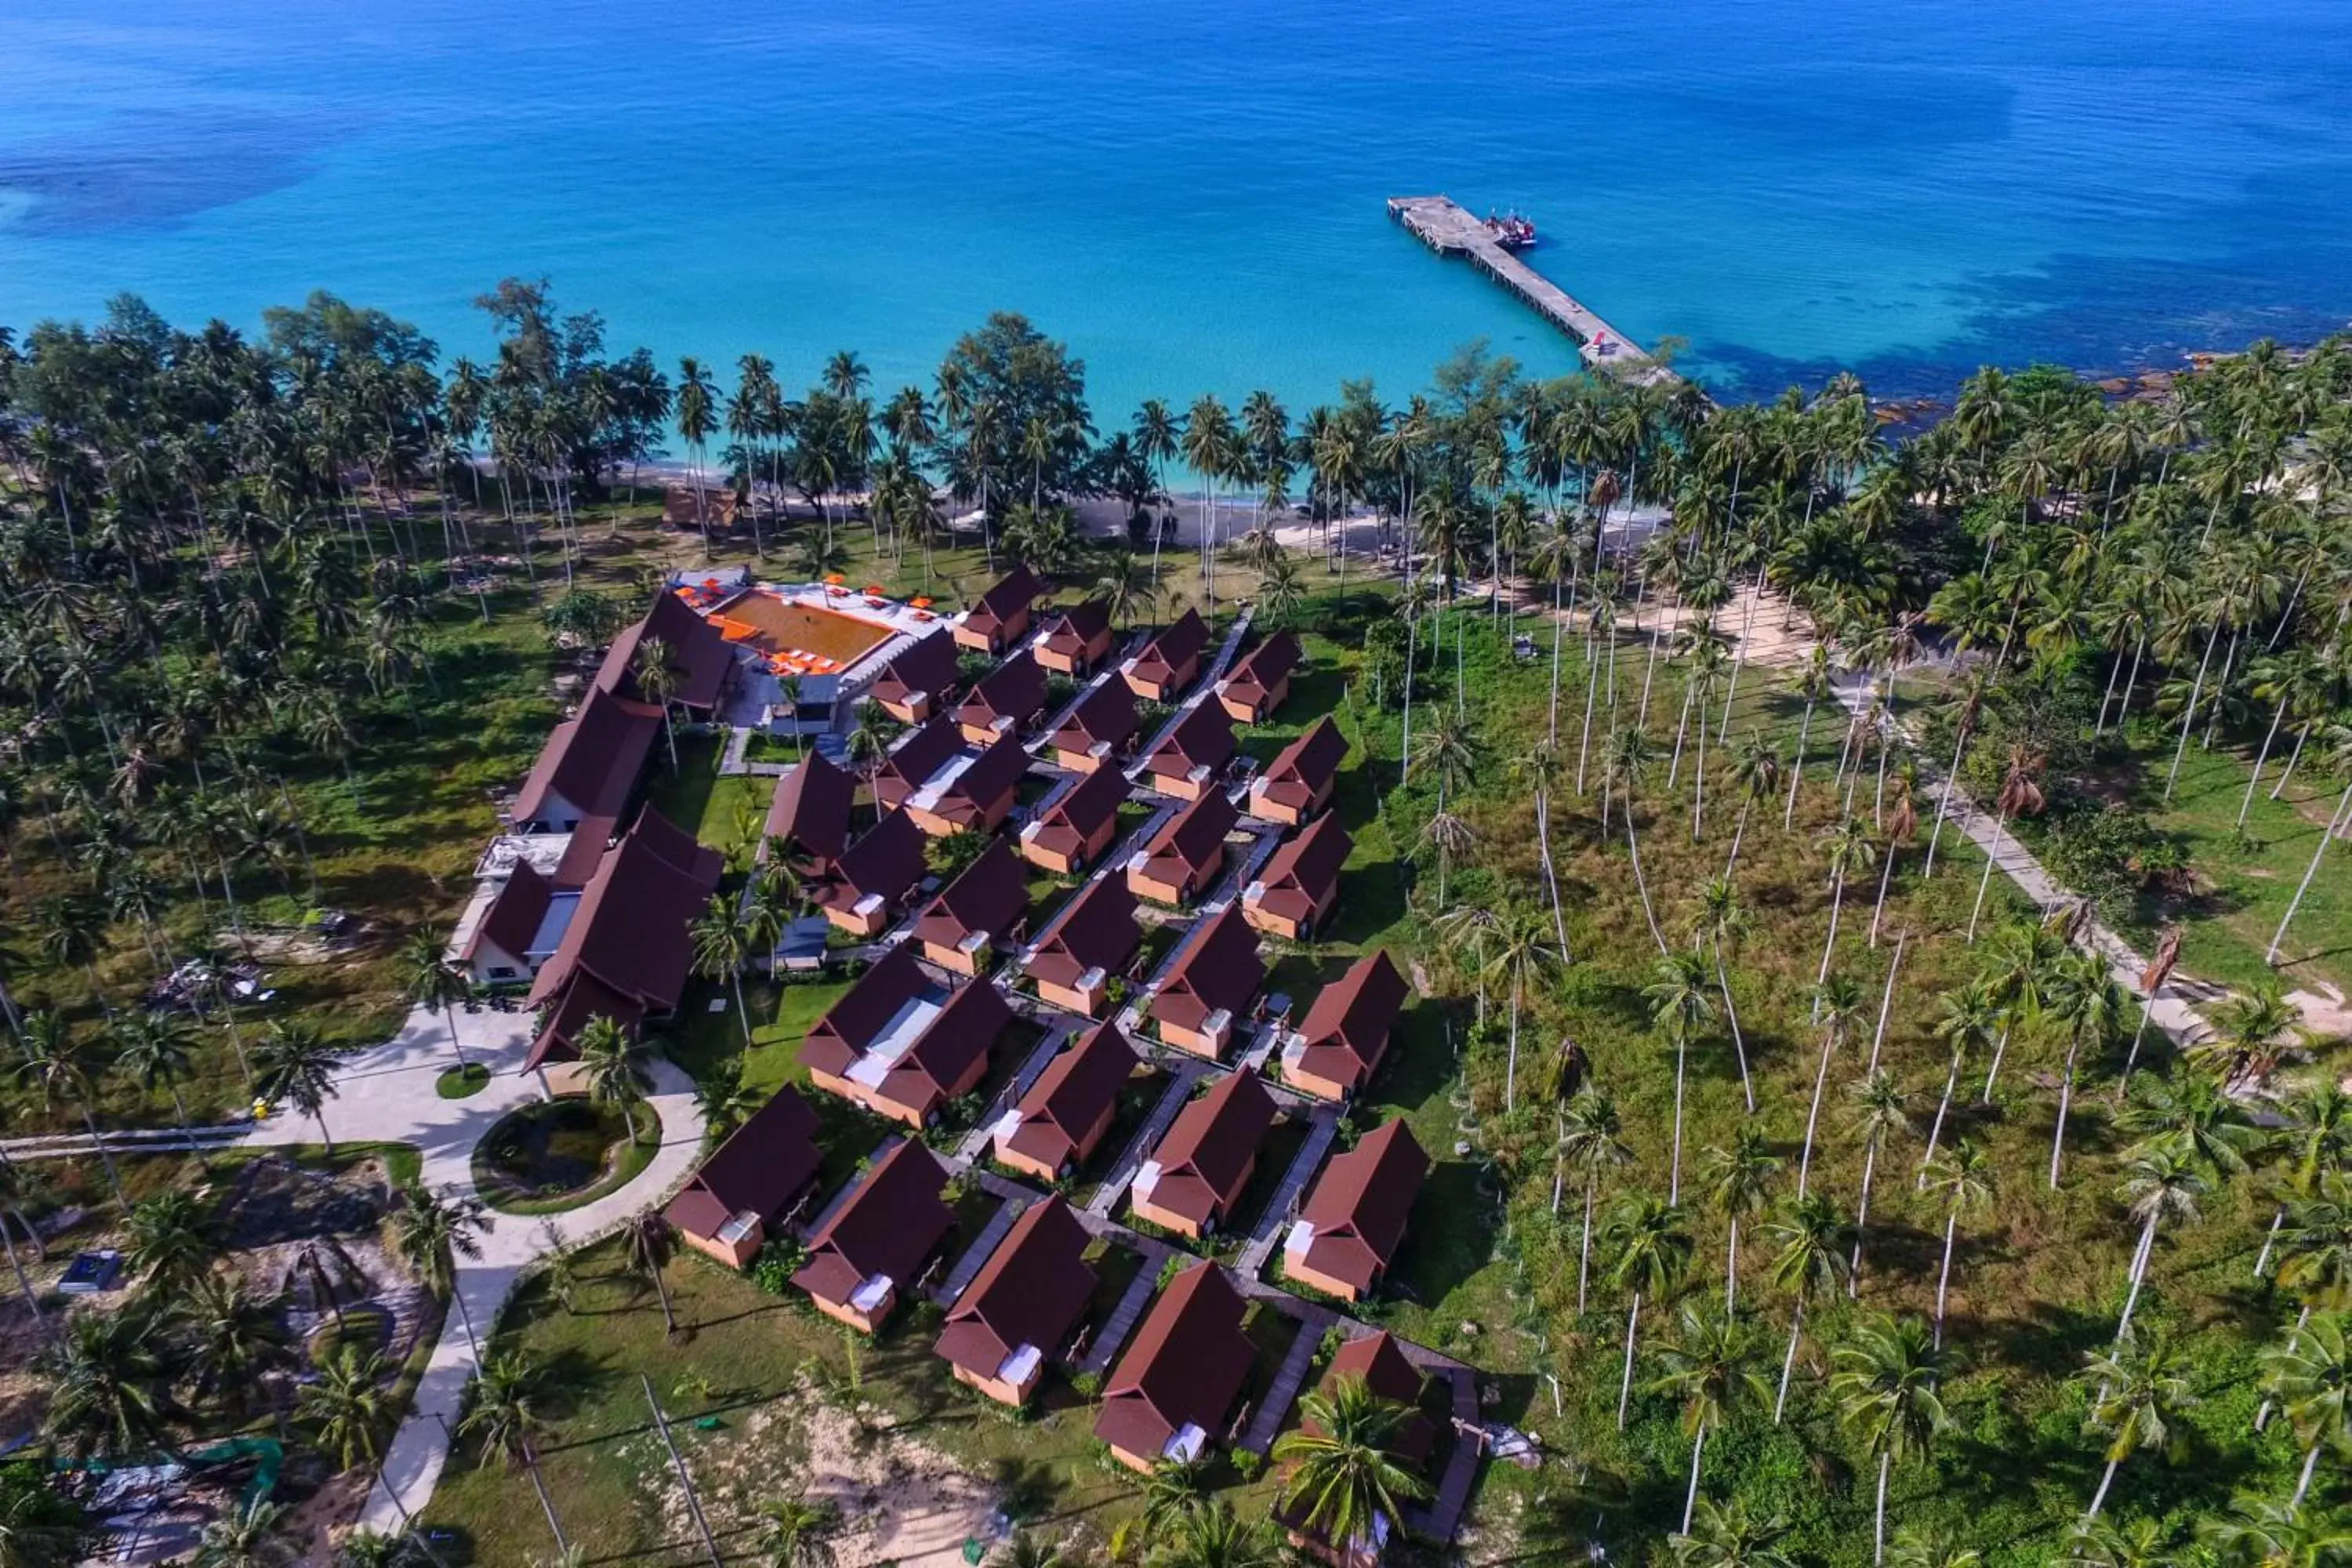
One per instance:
(387, 1094)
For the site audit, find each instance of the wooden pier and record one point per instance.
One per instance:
(1442, 224)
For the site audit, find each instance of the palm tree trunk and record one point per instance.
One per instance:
(113, 1177)
(1813, 1117)
(2065, 1100)
(1675, 1165)
(2189, 714)
(2302, 1481)
(1796, 766)
(449, 1021)
(1641, 884)
(1731, 1014)
(2001, 825)
(2261, 758)
(2342, 810)
(1511, 1070)
(1837, 906)
(1944, 801)
(1789, 1362)
(1584, 1243)
(1878, 1528)
(1690, 1497)
(2302, 734)
(741, 1013)
(2262, 1416)
(1739, 834)
(1885, 874)
(2139, 1276)
(2269, 1239)
(1999, 1046)
(1936, 1128)
(1625, 1386)
(546, 1503)
(17, 1266)
(1861, 1222)
(1944, 1275)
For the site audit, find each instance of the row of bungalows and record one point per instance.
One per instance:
(902, 1046)
(945, 789)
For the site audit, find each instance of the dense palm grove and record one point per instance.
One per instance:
(237, 569)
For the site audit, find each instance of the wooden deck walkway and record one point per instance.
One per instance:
(1442, 1516)
(1265, 1421)
(1284, 1201)
(1131, 1159)
(975, 1257)
(976, 1143)
(1121, 1322)
(1442, 224)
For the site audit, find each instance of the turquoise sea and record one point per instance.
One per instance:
(1191, 193)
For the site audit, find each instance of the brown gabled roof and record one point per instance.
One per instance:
(1359, 1206)
(1009, 695)
(989, 898)
(1257, 671)
(1006, 597)
(1105, 717)
(994, 773)
(1202, 738)
(1301, 770)
(1185, 1366)
(1095, 930)
(1218, 971)
(631, 930)
(811, 810)
(893, 1222)
(884, 862)
(514, 915)
(761, 1167)
(1347, 1029)
(1075, 816)
(591, 759)
(1204, 1160)
(1176, 646)
(1061, 1106)
(962, 1033)
(920, 753)
(1068, 633)
(841, 1036)
(1295, 880)
(925, 668)
(698, 656)
(582, 998)
(1191, 839)
(1033, 1290)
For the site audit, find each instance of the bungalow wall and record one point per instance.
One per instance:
(1295, 1265)
(1276, 696)
(1321, 1088)
(1163, 691)
(1070, 999)
(736, 1254)
(986, 640)
(1144, 885)
(1282, 925)
(1200, 1045)
(918, 707)
(1016, 1394)
(1266, 808)
(1088, 655)
(864, 1322)
(938, 827)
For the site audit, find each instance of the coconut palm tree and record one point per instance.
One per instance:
(1846, 847)
(345, 1406)
(1886, 1383)
(1812, 685)
(232, 1338)
(2137, 1396)
(428, 981)
(723, 944)
(1809, 1258)
(53, 1064)
(1624, 756)
(246, 1537)
(2103, 1543)
(1738, 1179)
(429, 1233)
(1725, 1535)
(613, 1061)
(173, 1240)
(2315, 1140)
(1652, 1251)
(1450, 838)
(1710, 1366)
(1970, 1016)
(1679, 1003)
(2249, 1030)
(1963, 1178)
(2160, 1182)
(2310, 1377)
(293, 1064)
(1838, 1007)
(656, 681)
(501, 1411)
(650, 1243)
(2262, 1532)
(2021, 795)
(111, 1381)
(2088, 1008)
(1520, 957)
(1878, 1115)
(39, 1528)
(2339, 748)
(1930, 1548)
(1591, 1139)
(1721, 920)
(152, 1050)
(1756, 767)
(1346, 1481)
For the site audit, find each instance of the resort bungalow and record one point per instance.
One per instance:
(1196, 1175)
(872, 875)
(1210, 986)
(507, 945)
(1023, 1307)
(947, 790)
(1004, 702)
(1077, 825)
(899, 1048)
(697, 656)
(1375, 1361)
(1348, 1233)
(1347, 1030)
(1169, 661)
(1094, 937)
(628, 948)
(1076, 639)
(1064, 1116)
(915, 685)
(978, 914)
(809, 817)
(1170, 1394)
(1189, 760)
(1298, 784)
(698, 507)
(999, 617)
(1185, 857)
(751, 1183)
(1098, 729)
(876, 1243)
(1297, 887)
(1260, 682)
(588, 768)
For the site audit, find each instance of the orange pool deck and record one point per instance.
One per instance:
(759, 619)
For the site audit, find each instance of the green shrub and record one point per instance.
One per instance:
(778, 1260)
(1248, 1465)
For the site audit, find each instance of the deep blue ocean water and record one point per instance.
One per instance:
(1191, 195)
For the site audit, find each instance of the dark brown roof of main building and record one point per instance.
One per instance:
(1185, 1365)
(698, 656)
(631, 930)
(1095, 930)
(1032, 1291)
(1204, 1159)
(761, 1167)
(926, 668)
(1219, 970)
(514, 915)
(1359, 1206)
(887, 1227)
(990, 897)
(1347, 1030)
(810, 809)
(582, 998)
(592, 759)
(1062, 1106)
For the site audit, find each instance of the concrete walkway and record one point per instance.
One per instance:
(386, 1094)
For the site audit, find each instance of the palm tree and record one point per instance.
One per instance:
(1965, 1178)
(294, 1065)
(1970, 1016)
(2315, 1141)
(723, 943)
(152, 1050)
(53, 1064)
(345, 1406)
(1755, 766)
(1520, 956)
(649, 1241)
(1847, 846)
(1721, 920)
(246, 1537)
(233, 1338)
(430, 1233)
(2250, 1030)
(2160, 1182)
(1931, 1548)
(2262, 1533)
(1450, 837)
(1626, 754)
(2135, 1396)
(2086, 1003)
(110, 1378)
(1173, 1488)
(1838, 1006)
(1813, 685)
(697, 418)
(1280, 591)
(1737, 1181)
(2310, 1377)
(1885, 1388)
(1591, 1139)
(173, 1240)
(2340, 745)
(1710, 1367)
(2021, 795)
(1878, 1115)
(428, 981)
(2103, 1543)
(797, 1534)
(1653, 1252)
(1725, 1535)
(1213, 1536)
(501, 1411)
(613, 1061)
(1346, 1479)
(40, 1529)
(1809, 1258)
(657, 682)
(1679, 1003)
